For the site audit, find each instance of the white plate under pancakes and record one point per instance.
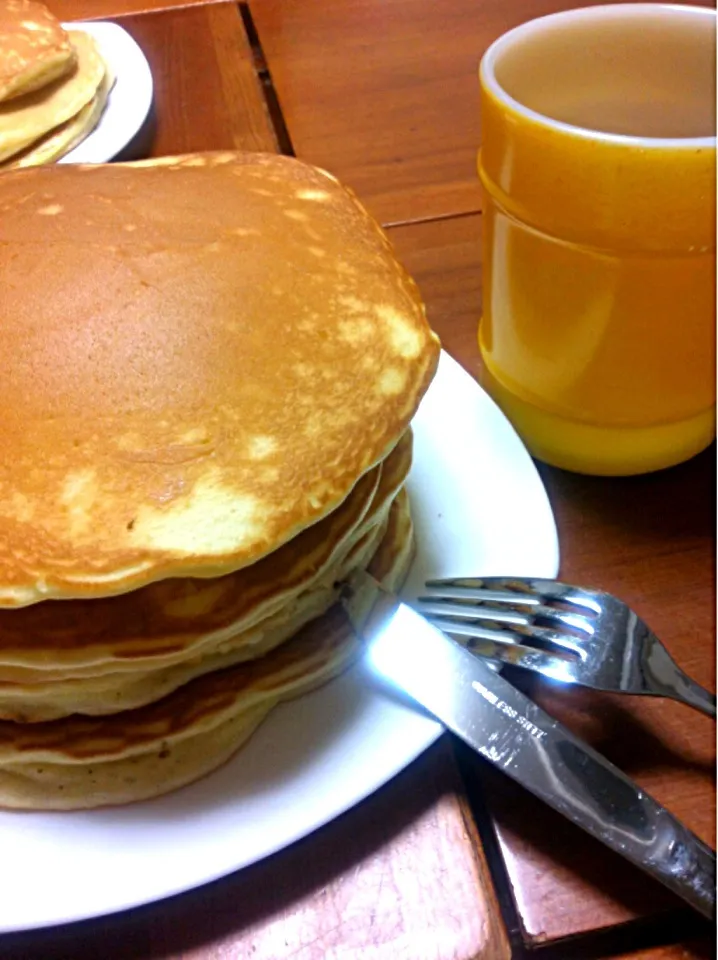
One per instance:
(129, 101)
(479, 508)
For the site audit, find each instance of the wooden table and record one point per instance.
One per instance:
(449, 861)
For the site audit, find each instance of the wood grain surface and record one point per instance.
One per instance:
(207, 95)
(651, 541)
(384, 93)
(401, 877)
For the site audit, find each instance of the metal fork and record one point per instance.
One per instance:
(563, 632)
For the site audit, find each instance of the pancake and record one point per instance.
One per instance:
(172, 620)
(34, 48)
(126, 685)
(23, 120)
(82, 762)
(112, 693)
(200, 359)
(67, 136)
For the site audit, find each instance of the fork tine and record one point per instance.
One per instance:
(539, 624)
(507, 613)
(473, 589)
(555, 668)
(493, 630)
(513, 589)
(471, 611)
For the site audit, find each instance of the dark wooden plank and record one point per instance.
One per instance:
(650, 540)
(402, 875)
(385, 94)
(207, 92)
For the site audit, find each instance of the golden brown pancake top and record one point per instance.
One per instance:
(200, 358)
(34, 47)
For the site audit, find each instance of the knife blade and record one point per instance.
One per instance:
(526, 743)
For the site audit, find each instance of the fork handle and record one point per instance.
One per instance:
(666, 678)
(696, 696)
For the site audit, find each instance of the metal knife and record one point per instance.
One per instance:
(527, 744)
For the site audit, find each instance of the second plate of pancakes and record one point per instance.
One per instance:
(69, 93)
(478, 507)
(129, 100)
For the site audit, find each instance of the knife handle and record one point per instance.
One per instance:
(600, 798)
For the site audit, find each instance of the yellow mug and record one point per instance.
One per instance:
(598, 165)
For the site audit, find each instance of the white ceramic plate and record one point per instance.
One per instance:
(479, 508)
(129, 101)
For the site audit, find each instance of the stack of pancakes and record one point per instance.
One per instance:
(53, 85)
(210, 365)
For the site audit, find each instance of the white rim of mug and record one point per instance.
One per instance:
(488, 75)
